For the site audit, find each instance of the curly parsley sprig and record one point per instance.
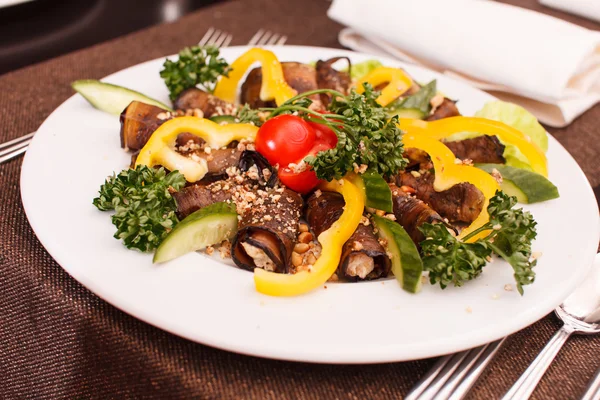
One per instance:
(511, 231)
(365, 135)
(195, 66)
(144, 207)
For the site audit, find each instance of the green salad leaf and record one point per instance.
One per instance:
(421, 100)
(143, 205)
(360, 69)
(517, 117)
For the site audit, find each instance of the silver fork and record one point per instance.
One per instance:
(452, 376)
(16, 147)
(267, 38)
(215, 37)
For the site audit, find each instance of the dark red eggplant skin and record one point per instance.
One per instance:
(322, 211)
(461, 203)
(365, 235)
(445, 110)
(480, 149)
(412, 213)
(194, 197)
(277, 218)
(138, 122)
(331, 78)
(194, 98)
(301, 77)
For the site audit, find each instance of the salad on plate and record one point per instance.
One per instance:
(306, 174)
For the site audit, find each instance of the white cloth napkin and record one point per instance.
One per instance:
(545, 64)
(585, 8)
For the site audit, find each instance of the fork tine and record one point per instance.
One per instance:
(220, 39)
(206, 36)
(264, 38)
(15, 147)
(281, 40)
(215, 37)
(228, 40)
(17, 140)
(273, 39)
(254, 40)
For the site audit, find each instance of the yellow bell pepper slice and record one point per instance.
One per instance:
(448, 174)
(274, 86)
(398, 83)
(446, 127)
(332, 240)
(159, 148)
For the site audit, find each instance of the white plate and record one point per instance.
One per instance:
(8, 3)
(211, 303)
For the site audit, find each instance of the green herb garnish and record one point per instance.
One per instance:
(511, 232)
(365, 135)
(144, 207)
(246, 115)
(196, 66)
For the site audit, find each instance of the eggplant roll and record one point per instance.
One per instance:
(267, 233)
(138, 122)
(210, 105)
(481, 149)
(363, 257)
(446, 109)
(461, 203)
(330, 78)
(412, 213)
(194, 197)
(301, 77)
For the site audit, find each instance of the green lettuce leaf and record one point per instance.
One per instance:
(362, 68)
(517, 117)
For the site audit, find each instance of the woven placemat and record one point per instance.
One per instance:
(58, 340)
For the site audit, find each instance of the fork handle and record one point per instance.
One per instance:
(593, 390)
(523, 388)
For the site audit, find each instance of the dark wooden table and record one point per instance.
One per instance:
(58, 340)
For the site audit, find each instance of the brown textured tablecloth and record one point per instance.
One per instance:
(58, 340)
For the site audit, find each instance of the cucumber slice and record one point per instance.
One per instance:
(111, 98)
(414, 113)
(376, 190)
(207, 226)
(529, 187)
(228, 119)
(407, 265)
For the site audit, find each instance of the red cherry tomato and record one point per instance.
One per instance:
(324, 135)
(285, 139)
(301, 182)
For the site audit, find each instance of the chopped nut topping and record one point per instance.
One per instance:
(391, 217)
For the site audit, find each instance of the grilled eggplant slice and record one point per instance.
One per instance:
(363, 257)
(301, 77)
(267, 233)
(461, 203)
(194, 197)
(481, 149)
(412, 213)
(138, 122)
(446, 109)
(194, 98)
(330, 78)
